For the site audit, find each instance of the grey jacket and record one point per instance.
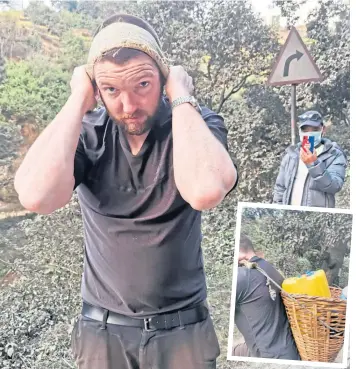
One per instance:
(326, 177)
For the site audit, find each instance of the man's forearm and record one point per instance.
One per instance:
(203, 169)
(45, 179)
(277, 197)
(329, 180)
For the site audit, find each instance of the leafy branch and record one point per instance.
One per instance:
(234, 90)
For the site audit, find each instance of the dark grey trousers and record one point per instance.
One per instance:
(193, 346)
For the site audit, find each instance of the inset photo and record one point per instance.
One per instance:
(290, 285)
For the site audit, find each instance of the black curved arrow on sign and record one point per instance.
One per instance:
(297, 56)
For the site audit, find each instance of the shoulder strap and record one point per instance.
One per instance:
(254, 265)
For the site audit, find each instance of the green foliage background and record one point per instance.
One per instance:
(229, 50)
(296, 241)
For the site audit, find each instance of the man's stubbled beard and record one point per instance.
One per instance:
(140, 129)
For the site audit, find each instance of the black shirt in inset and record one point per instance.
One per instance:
(260, 315)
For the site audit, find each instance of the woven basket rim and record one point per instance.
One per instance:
(314, 298)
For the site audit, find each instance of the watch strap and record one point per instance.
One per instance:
(185, 99)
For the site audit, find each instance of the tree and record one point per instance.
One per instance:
(41, 14)
(329, 26)
(289, 9)
(71, 6)
(73, 50)
(2, 69)
(260, 144)
(230, 60)
(5, 4)
(229, 51)
(36, 88)
(239, 47)
(328, 30)
(297, 241)
(10, 34)
(57, 22)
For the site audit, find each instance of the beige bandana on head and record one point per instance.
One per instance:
(125, 35)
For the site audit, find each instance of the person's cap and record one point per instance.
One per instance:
(310, 118)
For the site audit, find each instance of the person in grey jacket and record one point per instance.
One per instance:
(311, 178)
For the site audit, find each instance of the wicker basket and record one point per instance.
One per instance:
(315, 342)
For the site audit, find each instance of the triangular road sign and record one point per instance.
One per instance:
(294, 63)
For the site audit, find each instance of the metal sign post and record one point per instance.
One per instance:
(294, 65)
(293, 113)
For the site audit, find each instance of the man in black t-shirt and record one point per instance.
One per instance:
(260, 315)
(145, 165)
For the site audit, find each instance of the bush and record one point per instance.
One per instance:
(36, 88)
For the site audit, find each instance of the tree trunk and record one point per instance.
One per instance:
(333, 261)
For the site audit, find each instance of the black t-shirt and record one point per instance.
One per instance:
(142, 240)
(263, 321)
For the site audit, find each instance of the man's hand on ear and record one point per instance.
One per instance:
(179, 83)
(81, 84)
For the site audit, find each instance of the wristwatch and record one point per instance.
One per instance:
(186, 99)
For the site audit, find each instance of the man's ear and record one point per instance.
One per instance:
(163, 81)
(97, 93)
(260, 254)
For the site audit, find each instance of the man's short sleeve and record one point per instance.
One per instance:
(93, 128)
(216, 124)
(81, 164)
(242, 284)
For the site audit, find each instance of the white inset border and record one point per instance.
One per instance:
(241, 206)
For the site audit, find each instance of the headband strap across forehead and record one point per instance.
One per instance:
(125, 35)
